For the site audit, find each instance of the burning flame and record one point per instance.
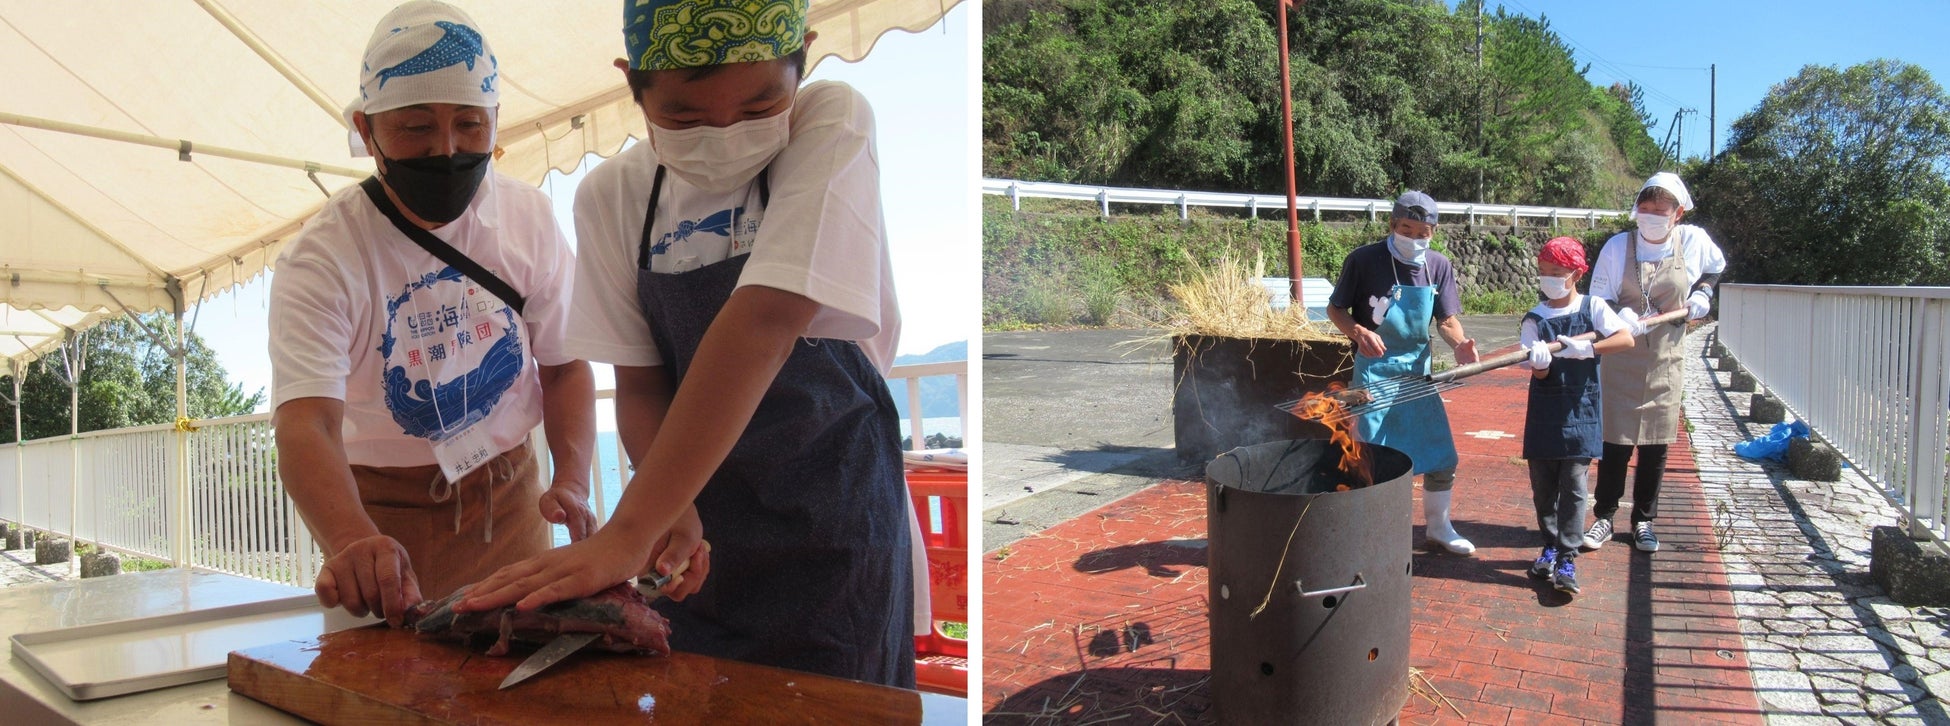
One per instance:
(1330, 408)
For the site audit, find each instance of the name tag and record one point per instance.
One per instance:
(462, 451)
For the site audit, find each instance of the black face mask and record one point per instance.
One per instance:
(436, 188)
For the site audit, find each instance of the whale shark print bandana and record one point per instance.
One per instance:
(427, 52)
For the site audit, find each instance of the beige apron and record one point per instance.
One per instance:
(1641, 385)
(459, 535)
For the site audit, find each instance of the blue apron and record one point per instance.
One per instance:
(1563, 418)
(1418, 428)
(807, 517)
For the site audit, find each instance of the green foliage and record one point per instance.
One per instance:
(126, 380)
(1496, 302)
(1186, 94)
(1054, 268)
(1838, 177)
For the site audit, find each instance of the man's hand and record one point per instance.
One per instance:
(1466, 352)
(685, 542)
(371, 575)
(567, 503)
(1368, 342)
(1631, 318)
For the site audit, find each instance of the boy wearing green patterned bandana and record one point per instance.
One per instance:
(735, 271)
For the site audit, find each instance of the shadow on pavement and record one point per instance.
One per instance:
(1159, 559)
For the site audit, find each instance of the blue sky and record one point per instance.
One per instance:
(921, 88)
(1667, 45)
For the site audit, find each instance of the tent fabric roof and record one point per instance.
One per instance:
(90, 226)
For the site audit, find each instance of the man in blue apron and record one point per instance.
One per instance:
(1386, 297)
(734, 269)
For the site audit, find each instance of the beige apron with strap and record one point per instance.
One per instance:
(459, 534)
(1641, 385)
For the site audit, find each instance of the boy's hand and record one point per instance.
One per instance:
(577, 570)
(1574, 348)
(1540, 355)
(685, 542)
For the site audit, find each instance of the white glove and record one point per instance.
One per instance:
(1575, 349)
(1540, 355)
(1698, 305)
(1380, 305)
(1632, 323)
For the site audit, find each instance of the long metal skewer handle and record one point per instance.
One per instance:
(1519, 355)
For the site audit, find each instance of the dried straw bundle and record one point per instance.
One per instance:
(1223, 300)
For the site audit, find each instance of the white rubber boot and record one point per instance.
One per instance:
(1435, 511)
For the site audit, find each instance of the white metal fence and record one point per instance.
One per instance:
(114, 488)
(1867, 368)
(1016, 191)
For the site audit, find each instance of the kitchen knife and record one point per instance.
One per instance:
(549, 655)
(567, 643)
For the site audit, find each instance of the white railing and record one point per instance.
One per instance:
(1867, 368)
(1016, 191)
(240, 519)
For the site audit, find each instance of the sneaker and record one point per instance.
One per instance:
(1565, 576)
(1541, 569)
(1598, 535)
(1643, 538)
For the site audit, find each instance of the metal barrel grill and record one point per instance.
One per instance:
(1331, 644)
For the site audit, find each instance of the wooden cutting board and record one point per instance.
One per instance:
(381, 675)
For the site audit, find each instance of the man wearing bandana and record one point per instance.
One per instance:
(1386, 296)
(405, 385)
(734, 269)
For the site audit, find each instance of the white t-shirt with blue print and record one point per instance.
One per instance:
(361, 314)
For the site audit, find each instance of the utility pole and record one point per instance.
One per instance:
(1712, 110)
(1480, 146)
(1293, 249)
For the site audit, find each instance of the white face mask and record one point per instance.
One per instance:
(1410, 249)
(1654, 227)
(721, 159)
(1554, 288)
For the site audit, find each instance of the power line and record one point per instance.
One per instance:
(1615, 69)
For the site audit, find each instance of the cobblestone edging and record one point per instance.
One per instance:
(17, 568)
(1825, 642)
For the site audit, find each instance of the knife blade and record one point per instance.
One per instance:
(567, 643)
(549, 655)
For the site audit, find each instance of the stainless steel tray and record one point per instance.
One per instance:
(127, 656)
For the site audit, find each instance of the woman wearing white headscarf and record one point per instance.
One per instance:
(1661, 266)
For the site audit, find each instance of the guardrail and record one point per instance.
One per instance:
(1016, 191)
(1882, 400)
(113, 488)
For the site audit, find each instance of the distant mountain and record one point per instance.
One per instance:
(938, 393)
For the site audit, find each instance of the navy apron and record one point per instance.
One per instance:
(1563, 420)
(1418, 428)
(807, 517)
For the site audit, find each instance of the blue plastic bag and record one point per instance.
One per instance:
(1773, 446)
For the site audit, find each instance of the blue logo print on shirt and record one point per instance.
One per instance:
(419, 338)
(719, 223)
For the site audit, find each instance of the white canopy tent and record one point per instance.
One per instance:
(96, 220)
(155, 154)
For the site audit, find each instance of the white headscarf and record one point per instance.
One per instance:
(424, 51)
(1670, 182)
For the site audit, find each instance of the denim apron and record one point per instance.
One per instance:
(1418, 428)
(810, 565)
(1563, 417)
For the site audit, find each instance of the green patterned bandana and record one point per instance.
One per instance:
(664, 34)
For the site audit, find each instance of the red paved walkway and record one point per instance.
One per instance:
(1652, 639)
